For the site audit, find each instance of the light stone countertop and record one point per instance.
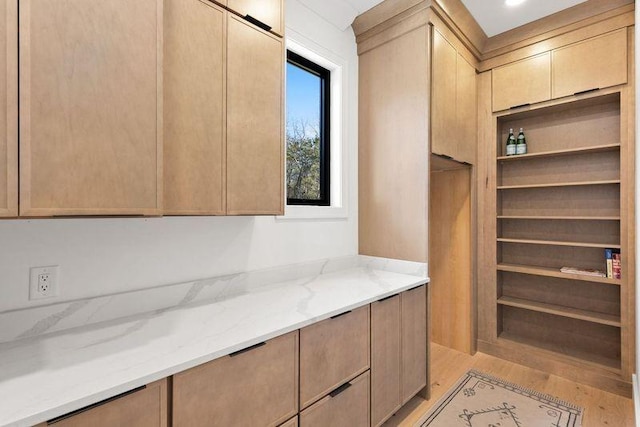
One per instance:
(46, 376)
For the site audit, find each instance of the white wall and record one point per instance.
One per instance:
(103, 256)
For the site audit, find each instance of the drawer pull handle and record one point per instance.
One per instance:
(520, 106)
(257, 22)
(244, 350)
(389, 297)
(340, 315)
(582, 92)
(340, 389)
(95, 405)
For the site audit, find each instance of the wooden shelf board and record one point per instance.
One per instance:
(554, 272)
(559, 310)
(568, 218)
(576, 355)
(559, 184)
(564, 152)
(559, 243)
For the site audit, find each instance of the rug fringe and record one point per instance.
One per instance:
(529, 391)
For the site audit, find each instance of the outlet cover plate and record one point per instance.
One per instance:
(34, 278)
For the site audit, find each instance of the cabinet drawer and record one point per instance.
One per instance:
(592, 64)
(268, 12)
(332, 352)
(523, 82)
(256, 386)
(347, 406)
(146, 407)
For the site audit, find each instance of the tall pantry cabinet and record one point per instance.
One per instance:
(417, 96)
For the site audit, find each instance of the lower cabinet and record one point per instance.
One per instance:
(355, 369)
(398, 351)
(332, 352)
(346, 406)
(257, 386)
(142, 407)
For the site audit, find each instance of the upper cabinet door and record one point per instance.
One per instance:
(443, 97)
(255, 143)
(194, 110)
(90, 101)
(522, 82)
(467, 107)
(8, 108)
(269, 12)
(596, 63)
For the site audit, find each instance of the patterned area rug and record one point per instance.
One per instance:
(480, 400)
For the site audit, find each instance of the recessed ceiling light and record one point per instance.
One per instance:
(512, 3)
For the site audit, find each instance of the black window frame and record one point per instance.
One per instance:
(325, 129)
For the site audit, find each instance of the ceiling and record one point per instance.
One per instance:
(493, 15)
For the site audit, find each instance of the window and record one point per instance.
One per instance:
(307, 132)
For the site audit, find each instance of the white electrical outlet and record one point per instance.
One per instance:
(43, 282)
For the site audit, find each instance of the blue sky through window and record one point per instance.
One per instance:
(303, 99)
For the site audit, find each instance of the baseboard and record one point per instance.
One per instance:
(636, 398)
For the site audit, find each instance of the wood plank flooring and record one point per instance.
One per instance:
(601, 409)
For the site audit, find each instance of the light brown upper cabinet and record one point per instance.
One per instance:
(522, 82)
(443, 97)
(90, 107)
(8, 108)
(267, 12)
(144, 407)
(255, 142)
(453, 102)
(224, 142)
(257, 386)
(194, 107)
(595, 63)
(466, 111)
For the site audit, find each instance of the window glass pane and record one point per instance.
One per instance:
(303, 130)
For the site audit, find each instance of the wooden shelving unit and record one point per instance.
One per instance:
(552, 208)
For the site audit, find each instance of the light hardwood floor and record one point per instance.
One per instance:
(600, 408)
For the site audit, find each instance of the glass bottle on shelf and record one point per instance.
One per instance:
(521, 145)
(511, 144)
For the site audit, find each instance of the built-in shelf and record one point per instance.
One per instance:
(564, 152)
(554, 272)
(559, 243)
(568, 218)
(572, 353)
(559, 184)
(559, 310)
